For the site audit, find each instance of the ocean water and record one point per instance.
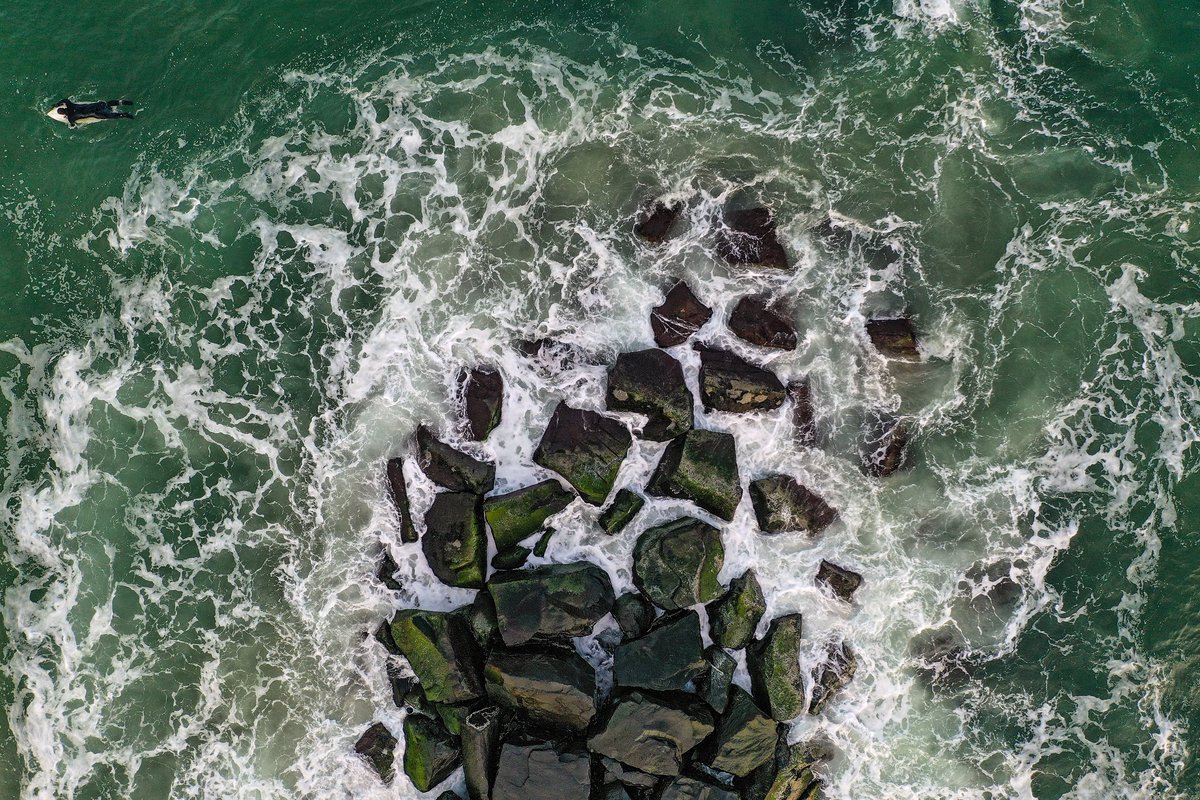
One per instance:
(221, 318)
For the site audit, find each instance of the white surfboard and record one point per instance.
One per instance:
(54, 115)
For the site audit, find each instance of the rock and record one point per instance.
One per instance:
(634, 614)
(652, 733)
(839, 580)
(401, 683)
(386, 571)
(762, 324)
(377, 746)
(453, 715)
(550, 357)
(624, 508)
(941, 656)
(748, 237)
(734, 616)
(550, 603)
(781, 504)
(443, 653)
(454, 543)
(483, 400)
(543, 543)
(692, 789)
(516, 515)
(450, 468)
(803, 417)
(480, 616)
(773, 663)
(991, 585)
(787, 776)
(614, 791)
(885, 445)
(512, 558)
(894, 337)
(399, 492)
(700, 466)
(430, 753)
(730, 383)
(668, 658)
(383, 635)
(832, 674)
(627, 776)
(650, 382)
(448, 795)
(554, 690)
(586, 448)
(537, 771)
(745, 737)
(480, 751)
(679, 316)
(676, 564)
(655, 221)
(714, 686)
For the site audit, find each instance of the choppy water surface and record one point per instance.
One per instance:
(224, 316)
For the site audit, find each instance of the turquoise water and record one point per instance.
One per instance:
(221, 317)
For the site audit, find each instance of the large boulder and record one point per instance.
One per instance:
(443, 653)
(781, 504)
(387, 570)
(480, 616)
(650, 382)
(804, 419)
(676, 564)
(542, 771)
(745, 737)
(763, 324)
(454, 543)
(700, 466)
(481, 750)
(403, 684)
(652, 733)
(679, 316)
(842, 582)
(431, 754)
(586, 448)
(483, 400)
(788, 775)
(894, 337)
(714, 686)
(634, 614)
(551, 689)
(748, 237)
(730, 383)
(832, 674)
(773, 663)
(692, 789)
(550, 603)
(451, 468)
(399, 492)
(655, 220)
(516, 515)
(885, 445)
(668, 658)
(377, 746)
(734, 616)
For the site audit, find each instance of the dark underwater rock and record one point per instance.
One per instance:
(683, 788)
(554, 690)
(516, 515)
(763, 324)
(539, 771)
(483, 400)
(655, 221)
(624, 508)
(714, 686)
(894, 337)
(745, 738)
(383, 635)
(586, 448)
(781, 504)
(551, 357)
(451, 468)
(443, 652)
(481, 750)
(831, 675)
(377, 746)
(885, 445)
(386, 571)
(841, 581)
(430, 752)
(634, 614)
(700, 466)
(679, 316)
(652, 733)
(399, 492)
(676, 564)
(730, 383)
(651, 382)
(803, 416)
(454, 543)
(941, 656)
(550, 603)
(734, 616)
(668, 658)
(748, 237)
(773, 663)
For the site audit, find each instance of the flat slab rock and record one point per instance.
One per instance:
(552, 602)
(762, 323)
(585, 447)
(651, 382)
(669, 657)
(748, 237)
(652, 733)
(730, 383)
(655, 221)
(451, 468)
(551, 689)
(700, 466)
(781, 504)
(679, 316)
(540, 771)
(676, 564)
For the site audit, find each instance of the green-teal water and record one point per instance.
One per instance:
(221, 317)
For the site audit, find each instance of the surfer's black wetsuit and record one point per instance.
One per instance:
(101, 109)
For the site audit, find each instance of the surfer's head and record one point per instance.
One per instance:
(61, 108)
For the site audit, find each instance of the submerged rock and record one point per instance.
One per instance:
(832, 674)
(386, 571)
(692, 789)
(442, 651)
(634, 614)
(804, 419)
(730, 383)
(885, 446)
(839, 580)
(700, 466)
(430, 752)
(624, 508)
(540, 771)
(377, 746)
(714, 686)
(454, 543)
(552, 602)
(655, 221)
(748, 237)
(734, 616)
(552, 357)
(679, 316)
(941, 656)
(483, 400)
(652, 733)
(586, 448)
(650, 382)
(781, 504)
(555, 690)
(516, 515)
(773, 663)
(451, 468)
(894, 337)
(668, 658)
(480, 751)
(763, 324)
(399, 492)
(745, 737)
(676, 564)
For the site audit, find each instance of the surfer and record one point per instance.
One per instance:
(74, 113)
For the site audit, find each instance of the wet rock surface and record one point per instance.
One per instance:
(885, 445)
(480, 737)
(748, 237)
(652, 733)
(730, 383)
(745, 738)
(781, 504)
(634, 614)
(759, 322)
(377, 746)
(586, 448)
(431, 754)
(843, 583)
(542, 771)
(894, 337)
(700, 466)
(773, 663)
(483, 400)
(553, 602)
(651, 382)
(734, 616)
(550, 689)
(679, 316)
(804, 419)
(398, 490)
(669, 657)
(714, 685)
(693, 789)
(386, 571)
(518, 514)
(454, 543)
(676, 564)
(443, 653)
(656, 219)
(451, 468)
(621, 512)
(831, 675)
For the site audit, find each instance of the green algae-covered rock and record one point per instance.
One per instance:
(781, 504)
(730, 383)
(692, 789)
(483, 400)
(377, 746)
(700, 466)
(512, 558)
(481, 750)
(650, 382)
(554, 690)
(832, 674)
(713, 687)
(454, 543)
(624, 508)
(774, 666)
(634, 614)
(788, 775)
(430, 752)
(652, 733)
(667, 658)
(516, 515)
(550, 603)
(734, 616)
(450, 468)
(676, 564)
(745, 737)
(443, 653)
(452, 715)
(586, 448)
(542, 771)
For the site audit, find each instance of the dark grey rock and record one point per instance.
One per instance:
(514, 516)
(480, 616)
(748, 237)
(451, 468)
(730, 383)
(512, 558)
(763, 324)
(377, 746)
(676, 564)
(683, 788)
(586, 448)
(831, 675)
(734, 616)
(652, 733)
(625, 506)
(668, 658)
(402, 684)
(386, 571)
(383, 635)
(941, 656)
(627, 776)
(787, 776)
(679, 316)
(885, 445)
(745, 738)
(651, 382)
(431, 754)
(773, 663)
(483, 400)
(839, 580)
(454, 543)
(804, 419)
(894, 337)
(399, 493)
(550, 603)
(700, 466)
(781, 504)
(443, 652)
(539, 771)
(714, 686)
(655, 221)
(551, 689)
(634, 614)
(481, 750)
